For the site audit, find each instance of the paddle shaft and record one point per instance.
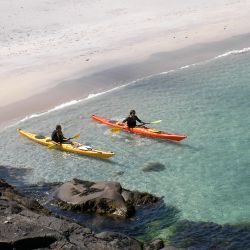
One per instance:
(117, 130)
(58, 143)
(154, 122)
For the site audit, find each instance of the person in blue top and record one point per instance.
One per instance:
(131, 119)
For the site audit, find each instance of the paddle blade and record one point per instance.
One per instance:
(115, 130)
(76, 136)
(154, 122)
(52, 146)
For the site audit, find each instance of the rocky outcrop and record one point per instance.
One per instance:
(139, 198)
(105, 198)
(8, 193)
(25, 224)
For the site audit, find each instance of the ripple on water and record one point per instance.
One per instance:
(206, 177)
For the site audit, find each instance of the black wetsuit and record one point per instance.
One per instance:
(131, 121)
(58, 137)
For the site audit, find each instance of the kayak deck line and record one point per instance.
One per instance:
(74, 147)
(150, 132)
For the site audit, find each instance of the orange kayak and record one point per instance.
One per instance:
(140, 130)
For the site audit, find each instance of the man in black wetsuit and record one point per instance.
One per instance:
(57, 135)
(131, 119)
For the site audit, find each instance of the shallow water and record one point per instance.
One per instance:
(206, 176)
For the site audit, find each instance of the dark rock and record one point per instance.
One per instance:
(13, 208)
(9, 193)
(4, 184)
(139, 198)
(109, 236)
(153, 166)
(155, 245)
(25, 225)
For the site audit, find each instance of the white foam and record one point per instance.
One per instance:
(188, 66)
(73, 102)
(229, 53)
(90, 96)
(93, 95)
(67, 104)
(61, 106)
(233, 52)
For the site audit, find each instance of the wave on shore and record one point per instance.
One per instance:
(93, 95)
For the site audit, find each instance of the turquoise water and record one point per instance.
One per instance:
(206, 176)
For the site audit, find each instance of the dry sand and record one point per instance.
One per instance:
(44, 43)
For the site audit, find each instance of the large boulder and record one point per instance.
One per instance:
(106, 198)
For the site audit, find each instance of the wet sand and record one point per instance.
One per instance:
(61, 52)
(104, 80)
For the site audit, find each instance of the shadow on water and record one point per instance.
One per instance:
(208, 235)
(144, 224)
(149, 222)
(14, 176)
(130, 137)
(178, 144)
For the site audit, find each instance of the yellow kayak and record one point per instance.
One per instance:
(74, 147)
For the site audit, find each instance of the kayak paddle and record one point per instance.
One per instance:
(56, 143)
(115, 130)
(154, 122)
(75, 136)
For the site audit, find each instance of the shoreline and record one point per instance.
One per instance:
(106, 80)
(67, 53)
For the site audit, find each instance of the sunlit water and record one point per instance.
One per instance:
(206, 176)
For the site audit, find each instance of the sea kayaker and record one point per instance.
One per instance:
(132, 118)
(57, 135)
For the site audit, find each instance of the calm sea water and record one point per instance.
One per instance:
(206, 176)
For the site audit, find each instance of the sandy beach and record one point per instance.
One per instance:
(57, 51)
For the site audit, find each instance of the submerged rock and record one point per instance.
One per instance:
(106, 198)
(117, 173)
(153, 166)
